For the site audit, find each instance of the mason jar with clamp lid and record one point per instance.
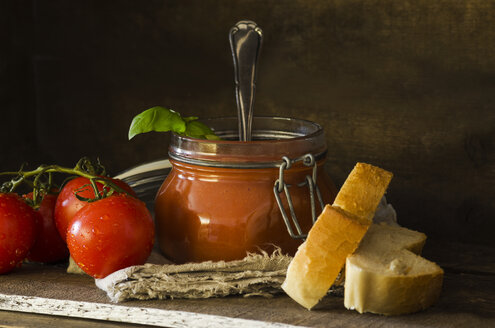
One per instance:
(225, 198)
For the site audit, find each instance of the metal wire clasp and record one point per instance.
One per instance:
(280, 186)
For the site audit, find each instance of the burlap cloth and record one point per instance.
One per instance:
(255, 275)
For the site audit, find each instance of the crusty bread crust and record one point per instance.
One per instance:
(363, 190)
(335, 235)
(319, 260)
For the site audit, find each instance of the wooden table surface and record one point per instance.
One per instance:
(467, 300)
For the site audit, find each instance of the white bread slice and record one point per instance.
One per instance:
(335, 235)
(385, 275)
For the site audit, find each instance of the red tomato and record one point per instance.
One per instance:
(67, 203)
(49, 246)
(17, 231)
(111, 234)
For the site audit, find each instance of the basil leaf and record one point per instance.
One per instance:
(157, 119)
(212, 137)
(199, 130)
(190, 118)
(160, 119)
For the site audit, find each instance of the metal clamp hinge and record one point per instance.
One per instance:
(280, 186)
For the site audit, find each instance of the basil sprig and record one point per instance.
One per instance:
(160, 119)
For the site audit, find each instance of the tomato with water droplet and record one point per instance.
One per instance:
(124, 238)
(18, 231)
(49, 246)
(68, 204)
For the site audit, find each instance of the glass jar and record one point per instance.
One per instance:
(218, 201)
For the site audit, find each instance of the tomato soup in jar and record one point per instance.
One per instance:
(219, 200)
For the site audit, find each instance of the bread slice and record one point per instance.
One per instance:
(385, 275)
(335, 235)
(362, 191)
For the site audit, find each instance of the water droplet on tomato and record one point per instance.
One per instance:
(104, 217)
(19, 252)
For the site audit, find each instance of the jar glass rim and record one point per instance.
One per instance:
(273, 138)
(287, 129)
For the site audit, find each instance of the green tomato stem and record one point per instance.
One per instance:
(84, 168)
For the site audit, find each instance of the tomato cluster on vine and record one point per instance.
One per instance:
(95, 219)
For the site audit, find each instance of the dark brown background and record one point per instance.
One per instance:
(405, 85)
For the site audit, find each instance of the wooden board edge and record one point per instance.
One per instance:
(126, 314)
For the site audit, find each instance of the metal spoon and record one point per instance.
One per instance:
(245, 42)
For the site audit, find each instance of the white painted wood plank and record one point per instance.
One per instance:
(127, 314)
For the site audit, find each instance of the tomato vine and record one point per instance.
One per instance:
(41, 180)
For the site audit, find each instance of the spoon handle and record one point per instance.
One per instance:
(245, 42)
